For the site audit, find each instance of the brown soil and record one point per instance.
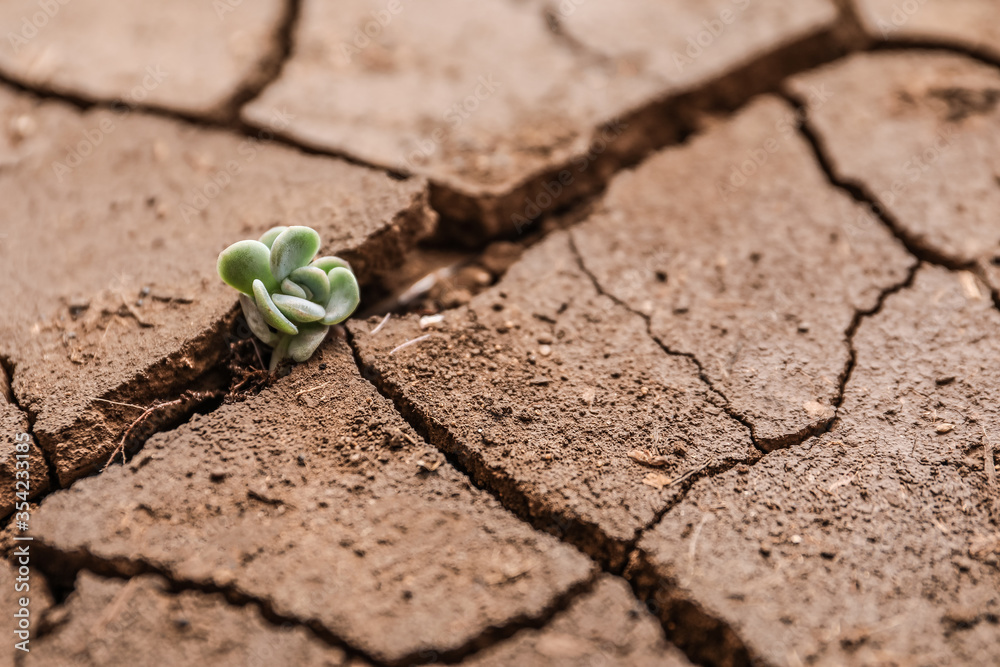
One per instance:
(887, 522)
(541, 384)
(680, 348)
(319, 464)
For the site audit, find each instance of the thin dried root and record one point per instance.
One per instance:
(183, 398)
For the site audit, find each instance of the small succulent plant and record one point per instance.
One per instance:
(289, 297)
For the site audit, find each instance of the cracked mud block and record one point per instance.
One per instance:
(458, 95)
(742, 255)
(558, 400)
(919, 132)
(190, 56)
(317, 500)
(607, 626)
(19, 454)
(109, 234)
(965, 24)
(23, 468)
(687, 43)
(877, 543)
(141, 622)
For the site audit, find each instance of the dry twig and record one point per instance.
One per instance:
(988, 463)
(186, 396)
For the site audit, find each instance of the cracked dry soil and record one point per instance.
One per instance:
(712, 381)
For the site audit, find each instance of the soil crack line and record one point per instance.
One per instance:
(497, 483)
(863, 195)
(495, 635)
(859, 317)
(860, 193)
(611, 555)
(8, 369)
(666, 349)
(575, 46)
(271, 64)
(661, 122)
(681, 111)
(63, 566)
(187, 396)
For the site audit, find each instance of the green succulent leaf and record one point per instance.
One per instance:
(271, 234)
(315, 280)
(256, 321)
(244, 262)
(293, 248)
(298, 310)
(289, 297)
(270, 312)
(344, 296)
(329, 263)
(292, 289)
(310, 336)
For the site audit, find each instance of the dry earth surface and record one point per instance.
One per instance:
(705, 373)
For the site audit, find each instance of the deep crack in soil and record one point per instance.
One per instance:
(613, 555)
(501, 486)
(666, 349)
(197, 369)
(61, 568)
(862, 194)
(271, 65)
(7, 369)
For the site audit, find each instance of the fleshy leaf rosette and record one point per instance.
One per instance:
(290, 298)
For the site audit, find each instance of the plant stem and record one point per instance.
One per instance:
(279, 353)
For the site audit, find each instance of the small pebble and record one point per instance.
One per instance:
(23, 126)
(430, 320)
